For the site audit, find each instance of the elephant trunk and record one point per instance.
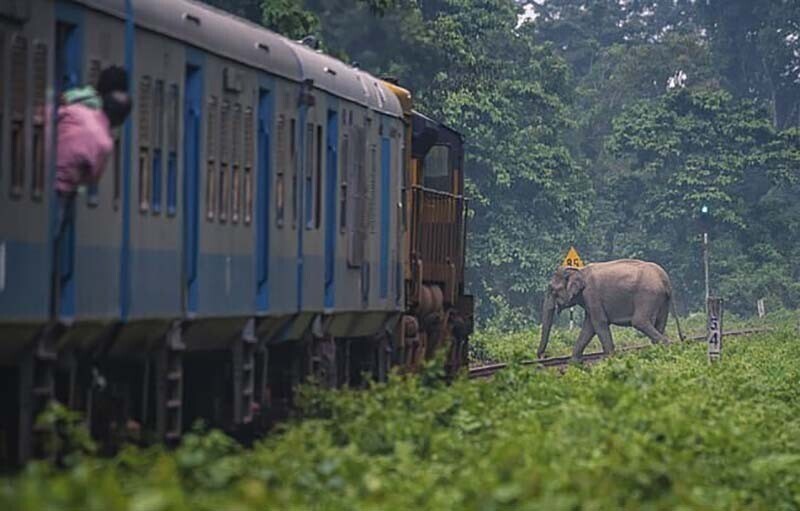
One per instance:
(548, 311)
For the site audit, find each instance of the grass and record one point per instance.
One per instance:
(496, 346)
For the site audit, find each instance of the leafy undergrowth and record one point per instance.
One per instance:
(652, 430)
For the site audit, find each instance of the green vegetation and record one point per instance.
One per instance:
(659, 429)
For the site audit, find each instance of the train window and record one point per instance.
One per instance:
(318, 196)
(343, 186)
(19, 101)
(358, 192)
(145, 97)
(172, 146)
(223, 196)
(249, 148)
(224, 161)
(293, 168)
(211, 177)
(373, 178)
(403, 188)
(158, 140)
(309, 176)
(94, 72)
(436, 168)
(39, 102)
(144, 185)
(279, 175)
(236, 192)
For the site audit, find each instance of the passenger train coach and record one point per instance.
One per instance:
(269, 213)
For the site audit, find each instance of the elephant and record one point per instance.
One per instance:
(624, 292)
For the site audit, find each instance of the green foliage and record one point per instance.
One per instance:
(289, 18)
(702, 147)
(65, 435)
(659, 429)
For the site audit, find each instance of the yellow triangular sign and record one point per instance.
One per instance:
(573, 259)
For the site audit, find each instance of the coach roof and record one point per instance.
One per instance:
(224, 34)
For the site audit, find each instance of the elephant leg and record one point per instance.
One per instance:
(604, 333)
(646, 327)
(661, 320)
(584, 338)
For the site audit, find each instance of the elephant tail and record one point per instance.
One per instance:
(675, 313)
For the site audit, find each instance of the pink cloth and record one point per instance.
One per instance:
(84, 143)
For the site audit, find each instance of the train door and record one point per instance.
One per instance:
(331, 187)
(262, 210)
(191, 163)
(69, 53)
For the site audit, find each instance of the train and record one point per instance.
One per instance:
(269, 214)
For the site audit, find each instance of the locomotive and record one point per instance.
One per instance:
(269, 214)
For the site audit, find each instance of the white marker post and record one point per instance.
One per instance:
(761, 309)
(705, 265)
(714, 329)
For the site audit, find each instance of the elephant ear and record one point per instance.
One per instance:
(575, 283)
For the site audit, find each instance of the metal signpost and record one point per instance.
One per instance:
(714, 329)
(704, 220)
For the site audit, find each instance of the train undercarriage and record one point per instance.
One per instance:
(157, 391)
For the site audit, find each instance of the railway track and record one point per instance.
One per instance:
(487, 370)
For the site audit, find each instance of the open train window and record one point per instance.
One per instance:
(249, 149)
(158, 140)
(19, 101)
(318, 169)
(343, 186)
(404, 188)
(436, 169)
(373, 187)
(236, 192)
(94, 72)
(309, 176)
(279, 175)
(145, 97)
(293, 169)
(39, 102)
(172, 146)
(92, 197)
(224, 161)
(357, 226)
(211, 177)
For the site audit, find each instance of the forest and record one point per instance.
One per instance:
(607, 125)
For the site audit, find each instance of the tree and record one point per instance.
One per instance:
(704, 147)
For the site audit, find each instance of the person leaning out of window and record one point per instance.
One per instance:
(85, 120)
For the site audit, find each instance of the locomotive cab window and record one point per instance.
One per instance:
(436, 169)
